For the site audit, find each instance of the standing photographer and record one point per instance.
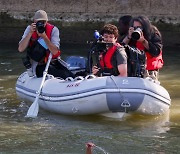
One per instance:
(145, 36)
(40, 38)
(113, 59)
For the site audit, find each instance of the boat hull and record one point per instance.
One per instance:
(84, 96)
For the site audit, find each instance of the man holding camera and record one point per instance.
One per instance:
(40, 38)
(112, 60)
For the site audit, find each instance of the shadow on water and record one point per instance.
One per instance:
(52, 133)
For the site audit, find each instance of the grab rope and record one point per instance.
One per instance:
(112, 77)
(125, 104)
(78, 78)
(90, 77)
(69, 79)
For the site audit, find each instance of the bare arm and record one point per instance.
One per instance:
(25, 41)
(95, 70)
(122, 68)
(121, 58)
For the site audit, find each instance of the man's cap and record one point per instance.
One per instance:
(40, 15)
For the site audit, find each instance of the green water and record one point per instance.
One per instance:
(51, 133)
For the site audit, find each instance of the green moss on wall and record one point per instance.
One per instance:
(71, 32)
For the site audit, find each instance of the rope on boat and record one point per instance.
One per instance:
(125, 104)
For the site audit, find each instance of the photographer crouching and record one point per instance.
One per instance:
(112, 59)
(40, 38)
(146, 37)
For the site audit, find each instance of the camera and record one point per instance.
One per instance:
(136, 34)
(40, 26)
(100, 45)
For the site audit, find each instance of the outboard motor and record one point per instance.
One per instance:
(77, 65)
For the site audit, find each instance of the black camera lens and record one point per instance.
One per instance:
(40, 26)
(136, 34)
(102, 46)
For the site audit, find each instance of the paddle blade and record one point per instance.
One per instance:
(33, 110)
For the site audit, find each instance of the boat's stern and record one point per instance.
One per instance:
(137, 95)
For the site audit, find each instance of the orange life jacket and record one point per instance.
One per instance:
(48, 31)
(153, 63)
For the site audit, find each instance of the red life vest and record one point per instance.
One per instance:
(107, 59)
(48, 31)
(153, 63)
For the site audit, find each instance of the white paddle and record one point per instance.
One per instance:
(34, 108)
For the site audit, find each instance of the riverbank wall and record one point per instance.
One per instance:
(77, 19)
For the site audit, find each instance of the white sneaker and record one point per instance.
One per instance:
(30, 72)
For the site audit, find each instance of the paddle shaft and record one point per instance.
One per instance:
(34, 108)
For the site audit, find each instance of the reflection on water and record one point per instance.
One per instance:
(51, 133)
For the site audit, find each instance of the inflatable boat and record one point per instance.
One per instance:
(95, 95)
(89, 94)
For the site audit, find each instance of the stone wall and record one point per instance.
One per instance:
(77, 19)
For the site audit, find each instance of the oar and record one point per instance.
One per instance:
(34, 108)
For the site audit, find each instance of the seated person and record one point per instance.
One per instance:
(113, 60)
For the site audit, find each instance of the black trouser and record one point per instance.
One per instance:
(56, 69)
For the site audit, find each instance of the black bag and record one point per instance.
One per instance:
(136, 61)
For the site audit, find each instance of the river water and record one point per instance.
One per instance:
(52, 133)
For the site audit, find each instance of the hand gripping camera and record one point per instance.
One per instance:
(40, 26)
